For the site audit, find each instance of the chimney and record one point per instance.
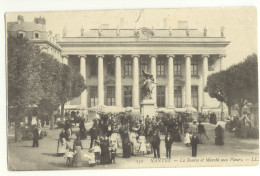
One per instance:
(182, 24)
(166, 23)
(20, 19)
(122, 21)
(40, 20)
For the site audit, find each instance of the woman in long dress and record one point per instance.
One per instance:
(219, 135)
(61, 149)
(104, 145)
(126, 144)
(142, 144)
(77, 147)
(133, 136)
(187, 139)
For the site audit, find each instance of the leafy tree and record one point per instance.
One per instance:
(72, 84)
(236, 85)
(24, 83)
(36, 78)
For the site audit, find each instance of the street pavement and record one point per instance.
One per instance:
(235, 151)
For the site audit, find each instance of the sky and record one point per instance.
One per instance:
(240, 23)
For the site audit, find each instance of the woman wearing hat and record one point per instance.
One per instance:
(133, 137)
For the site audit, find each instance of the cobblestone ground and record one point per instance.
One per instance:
(21, 156)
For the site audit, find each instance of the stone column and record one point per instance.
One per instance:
(118, 81)
(135, 81)
(221, 57)
(222, 67)
(188, 81)
(170, 81)
(153, 72)
(65, 59)
(205, 77)
(84, 74)
(100, 80)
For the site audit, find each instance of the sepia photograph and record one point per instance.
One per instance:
(136, 88)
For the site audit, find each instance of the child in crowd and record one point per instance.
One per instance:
(112, 150)
(69, 157)
(187, 138)
(96, 150)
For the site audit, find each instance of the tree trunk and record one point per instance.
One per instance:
(17, 133)
(240, 111)
(19, 116)
(229, 110)
(52, 120)
(62, 110)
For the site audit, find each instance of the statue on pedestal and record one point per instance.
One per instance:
(148, 85)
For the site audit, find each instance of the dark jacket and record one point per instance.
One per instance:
(194, 140)
(94, 132)
(201, 129)
(156, 140)
(35, 134)
(168, 142)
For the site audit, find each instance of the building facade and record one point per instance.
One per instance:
(111, 61)
(36, 32)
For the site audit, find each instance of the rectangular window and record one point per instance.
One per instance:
(36, 35)
(144, 65)
(128, 67)
(93, 96)
(178, 96)
(93, 67)
(111, 66)
(110, 95)
(127, 96)
(194, 67)
(194, 96)
(177, 67)
(160, 64)
(160, 96)
(21, 34)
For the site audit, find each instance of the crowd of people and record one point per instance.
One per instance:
(244, 126)
(138, 137)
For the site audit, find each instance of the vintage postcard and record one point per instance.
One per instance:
(143, 88)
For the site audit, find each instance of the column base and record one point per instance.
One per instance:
(191, 109)
(188, 106)
(170, 107)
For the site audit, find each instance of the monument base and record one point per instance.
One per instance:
(147, 108)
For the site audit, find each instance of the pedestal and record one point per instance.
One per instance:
(147, 108)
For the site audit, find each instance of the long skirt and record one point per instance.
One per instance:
(61, 149)
(77, 157)
(105, 157)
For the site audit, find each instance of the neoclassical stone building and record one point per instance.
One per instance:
(111, 61)
(36, 33)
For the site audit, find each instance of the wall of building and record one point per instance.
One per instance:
(109, 80)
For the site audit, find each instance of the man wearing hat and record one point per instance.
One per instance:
(193, 127)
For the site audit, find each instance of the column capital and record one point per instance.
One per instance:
(117, 55)
(135, 55)
(170, 55)
(222, 55)
(153, 55)
(188, 55)
(100, 55)
(205, 55)
(80, 56)
(65, 55)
